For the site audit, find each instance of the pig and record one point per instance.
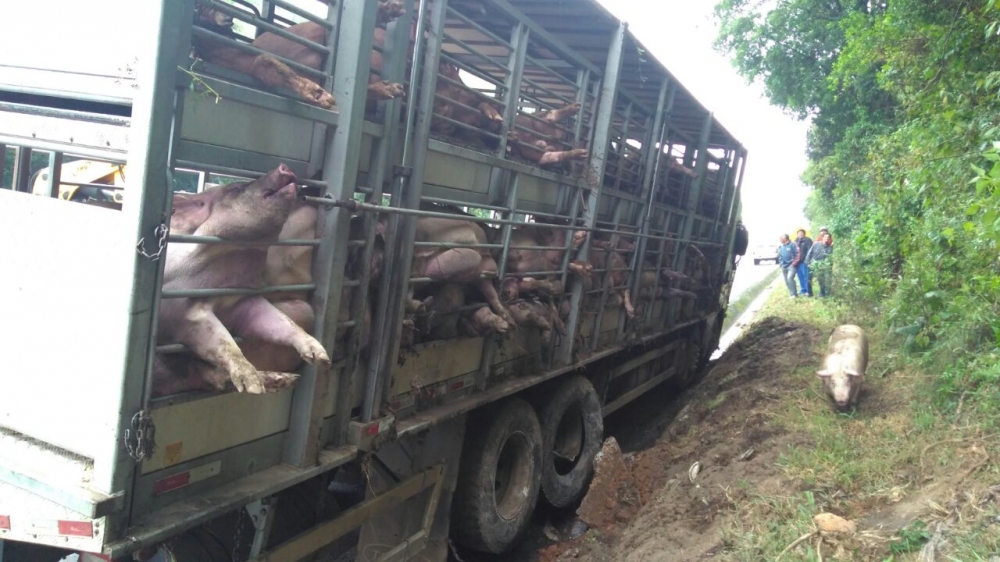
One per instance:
(456, 101)
(378, 89)
(844, 366)
(602, 258)
(520, 261)
(456, 265)
(541, 315)
(272, 72)
(265, 68)
(252, 212)
(482, 322)
(535, 137)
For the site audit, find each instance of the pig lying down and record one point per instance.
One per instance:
(844, 366)
(253, 213)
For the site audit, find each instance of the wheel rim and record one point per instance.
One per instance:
(512, 477)
(569, 440)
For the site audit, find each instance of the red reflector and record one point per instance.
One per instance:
(456, 385)
(171, 482)
(372, 429)
(78, 528)
(5, 522)
(91, 557)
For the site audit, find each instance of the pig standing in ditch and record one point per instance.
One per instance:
(844, 366)
(252, 213)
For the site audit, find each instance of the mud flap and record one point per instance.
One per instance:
(393, 463)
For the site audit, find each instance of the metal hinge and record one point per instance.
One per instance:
(138, 438)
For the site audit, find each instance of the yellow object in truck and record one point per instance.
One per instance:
(82, 172)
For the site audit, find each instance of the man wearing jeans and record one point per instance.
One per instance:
(788, 259)
(805, 244)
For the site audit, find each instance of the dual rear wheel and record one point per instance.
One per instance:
(513, 454)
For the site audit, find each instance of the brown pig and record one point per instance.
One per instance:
(254, 213)
(844, 365)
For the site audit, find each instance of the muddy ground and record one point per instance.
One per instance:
(734, 424)
(661, 435)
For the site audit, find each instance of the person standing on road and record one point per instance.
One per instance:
(788, 256)
(818, 263)
(805, 244)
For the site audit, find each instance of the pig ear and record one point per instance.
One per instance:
(824, 374)
(852, 373)
(190, 210)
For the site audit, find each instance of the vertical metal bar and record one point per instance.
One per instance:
(3, 168)
(393, 67)
(739, 184)
(512, 85)
(486, 362)
(166, 32)
(400, 249)
(725, 180)
(582, 85)
(515, 64)
(55, 172)
(340, 170)
(22, 169)
(694, 194)
(650, 174)
(616, 205)
(598, 156)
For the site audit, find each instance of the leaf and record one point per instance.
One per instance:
(969, 227)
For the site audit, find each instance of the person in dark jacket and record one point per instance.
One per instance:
(819, 263)
(788, 256)
(805, 244)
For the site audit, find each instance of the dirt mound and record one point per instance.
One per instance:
(724, 427)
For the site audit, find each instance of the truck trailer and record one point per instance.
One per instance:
(544, 121)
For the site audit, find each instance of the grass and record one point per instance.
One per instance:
(897, 454)
(737, 307)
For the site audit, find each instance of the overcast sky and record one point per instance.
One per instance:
(680, 34)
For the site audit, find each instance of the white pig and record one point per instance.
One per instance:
(844, 366)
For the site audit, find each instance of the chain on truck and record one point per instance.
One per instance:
(596, 197)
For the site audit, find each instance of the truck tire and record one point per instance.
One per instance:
(572, 431)
(499, 478)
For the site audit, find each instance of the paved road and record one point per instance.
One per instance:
(748, 274)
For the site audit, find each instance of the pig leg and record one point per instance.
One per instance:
(580, 268)
(260, 320)
(491, 114)
(627, 303)
(563, 113)
(562, 156)
(205, 335)
(453, 263)
(382, 90)
(483, 322)
(486, 287)
(274, 73)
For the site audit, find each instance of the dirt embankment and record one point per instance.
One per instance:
(668, 511)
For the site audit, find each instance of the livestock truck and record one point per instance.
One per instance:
(411, 439)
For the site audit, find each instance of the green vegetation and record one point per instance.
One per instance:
(904, 166)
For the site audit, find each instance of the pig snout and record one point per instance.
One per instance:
(281, 182)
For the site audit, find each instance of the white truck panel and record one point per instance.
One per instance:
(63, 299)
(85, 48)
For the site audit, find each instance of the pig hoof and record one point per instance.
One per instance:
(250, 382)
(275, 381)
(313, 93)
(578, 154)
(312, 352)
